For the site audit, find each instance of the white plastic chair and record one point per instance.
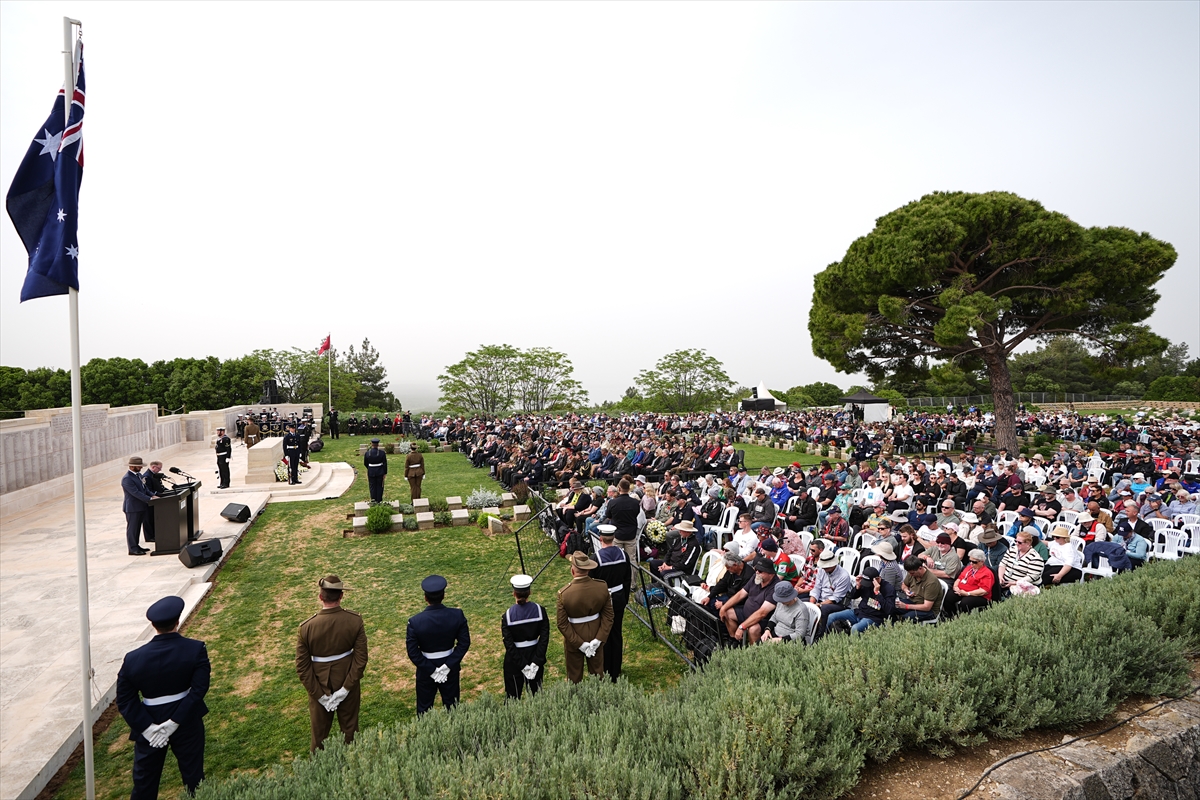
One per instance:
(726, 528)
(1192, 467)
(709, 564)
(814, 613)
(1159, 524)
(806, 538)
(1187, 519)
(1068, 517)
(830, 546)
(1191, 538)
(869, 561)
(814, 492)
(848, 557)
(856, 496)
(1102, 569)
(862, 540)
(1168, 545)
(1005, 520)
(942, 604)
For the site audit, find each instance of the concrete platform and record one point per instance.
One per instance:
(40, 704)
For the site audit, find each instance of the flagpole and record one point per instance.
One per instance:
(329, 365)
(85, 648)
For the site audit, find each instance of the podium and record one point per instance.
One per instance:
(176, 519)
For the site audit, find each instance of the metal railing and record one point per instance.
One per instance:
(688, 629)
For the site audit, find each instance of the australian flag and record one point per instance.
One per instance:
(43, 201)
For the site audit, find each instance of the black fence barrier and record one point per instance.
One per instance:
(690, 630)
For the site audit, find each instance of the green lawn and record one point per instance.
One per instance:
(258, 710)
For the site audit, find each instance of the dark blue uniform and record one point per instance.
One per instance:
(437, 636)
(224, 451)
(291, 449)
(136, 508)
(525, 631)
(614, 571)
(171, 674)
(376, 463)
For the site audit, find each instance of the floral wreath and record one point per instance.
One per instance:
(656, 532)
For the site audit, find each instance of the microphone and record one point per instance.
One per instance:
(178, 471)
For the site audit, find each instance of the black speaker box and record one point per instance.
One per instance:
(203, 552)
(236, 512)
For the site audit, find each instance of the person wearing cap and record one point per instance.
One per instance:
(252, 434)
(375, 460)
(921, 593)
(224, 449)
(876, 598)
(1102, 516)
(414, 472)
(1139, 484)
(584, 618)
(136, 506)
(1070, 501)
(1065, 559)
(836, 528)
(942, 559)
(790, 620)
(525, 631)
(1022, 562)
(291, 451)
(613, 569)
(160, 694)
(830, 589)
(1046, 507)
(749, 608)
(784, 567)
(331, 656)
(973, 587)
(737, 574)
(437, 639)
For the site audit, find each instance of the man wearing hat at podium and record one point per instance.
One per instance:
(331, 656)
(585, 618)
(437, 639)
(224, 448)
(375, 461)
(613, 569)
(136, 505)
(171, 673)
(525, 630)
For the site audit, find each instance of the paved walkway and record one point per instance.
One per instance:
(40, 705)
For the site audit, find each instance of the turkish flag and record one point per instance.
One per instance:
(324, 346)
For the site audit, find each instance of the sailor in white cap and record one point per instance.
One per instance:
(525, 630)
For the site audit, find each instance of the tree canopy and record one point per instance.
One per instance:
(969, 277)
(684, 381)
(498, 378)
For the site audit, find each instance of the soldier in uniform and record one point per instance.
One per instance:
(304, 431)
(613, 569)
(585, 618)
(375, 424)
(252, 433)
(331, 655)
(240, 426)
(224, 449)
(525, 631)
(375, 461)
(291, 449)
(437, 639)
(414, 470)
(333, 423)
(171, 673)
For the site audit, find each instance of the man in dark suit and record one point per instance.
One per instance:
(136, 505)
(171, 675)
(153, 480)
(437, 639)
(333, 423)
(224, 448)
(375, 461)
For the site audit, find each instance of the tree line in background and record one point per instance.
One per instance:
(499, 378)
(359, 381)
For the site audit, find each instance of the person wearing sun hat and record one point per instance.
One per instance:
(136, 505)
(1065, 559)
(584, 617)
(331, 656)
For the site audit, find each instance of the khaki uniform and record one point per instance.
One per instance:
(251, 434)
(587, 601)
(336, 634)
(414, 470)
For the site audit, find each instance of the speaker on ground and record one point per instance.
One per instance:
(236, 512)
(202, 552)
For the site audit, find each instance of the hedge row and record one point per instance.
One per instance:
(783, 721)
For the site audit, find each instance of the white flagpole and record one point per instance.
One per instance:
(85, 645)
(329, 367)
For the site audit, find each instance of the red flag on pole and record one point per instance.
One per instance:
(324, 346)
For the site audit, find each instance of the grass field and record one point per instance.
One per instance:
(258, 710)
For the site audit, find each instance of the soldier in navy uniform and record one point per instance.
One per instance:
(333, 423)
(525, 631)
(224, 449)
(375, 461)
(614, 571)
(171, 673)
(304, 431)
(291, 449)
(437, 639)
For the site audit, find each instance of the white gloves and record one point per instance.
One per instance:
(159, 735)
(441, 673)
(589, 648)
(330, 702)
(530, 672)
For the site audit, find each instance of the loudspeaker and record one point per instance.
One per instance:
(197, 553)
(270, 392)
(236, 512)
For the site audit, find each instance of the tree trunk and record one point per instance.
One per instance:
(1002, 398)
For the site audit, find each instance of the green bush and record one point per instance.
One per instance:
(443, 518)
(438, 504)
(379, 518)
(1040, 439)
(473, 516)
(421, 446)
(783, 721)
(410, 522)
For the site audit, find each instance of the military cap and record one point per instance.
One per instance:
(165, 610)
(434, 583)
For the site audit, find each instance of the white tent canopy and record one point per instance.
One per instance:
(764, 394)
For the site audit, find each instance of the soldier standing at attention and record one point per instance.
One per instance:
(437, 639)
(224, 449)
(333, 423)
(525, 631)
(376, 463)
(414, 470)
(585, 618)
(252, 433)
(613, 569)
(304, 431)
(331, 656)
(291, 450)
(171, 674)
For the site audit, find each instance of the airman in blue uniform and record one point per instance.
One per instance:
(437, 639)
(376, 463)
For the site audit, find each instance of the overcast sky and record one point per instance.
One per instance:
(613, 180)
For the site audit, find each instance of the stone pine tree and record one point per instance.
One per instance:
(973, 276)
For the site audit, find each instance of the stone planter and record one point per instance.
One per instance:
(459, 517)
(424, 520)
(360, 525)
(361, 509)
(521, 513)
(455, 503)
